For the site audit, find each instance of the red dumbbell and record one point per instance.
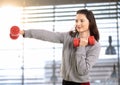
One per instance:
(14, 32)
(91, 41)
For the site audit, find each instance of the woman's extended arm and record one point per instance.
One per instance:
(45, 35)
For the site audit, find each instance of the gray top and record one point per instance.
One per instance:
(76, 62)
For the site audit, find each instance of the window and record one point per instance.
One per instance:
(30, 61)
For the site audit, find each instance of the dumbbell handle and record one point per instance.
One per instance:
(91, 41)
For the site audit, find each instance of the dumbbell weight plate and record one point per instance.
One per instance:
(13, 37)
(76, 42)
(14, 32)
(91, 40)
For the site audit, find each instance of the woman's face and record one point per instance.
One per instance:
(82, 23)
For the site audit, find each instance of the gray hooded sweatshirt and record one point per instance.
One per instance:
(76, 62)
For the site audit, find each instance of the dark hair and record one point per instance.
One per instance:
(92, 26)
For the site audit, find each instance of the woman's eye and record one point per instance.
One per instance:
(82, 20)
(76, 20)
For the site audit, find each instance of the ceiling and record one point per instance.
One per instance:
(48, 2)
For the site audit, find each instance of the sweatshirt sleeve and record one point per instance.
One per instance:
(45, 35)
(86, 59)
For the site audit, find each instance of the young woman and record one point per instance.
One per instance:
(76, 61)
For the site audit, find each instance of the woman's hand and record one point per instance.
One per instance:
(83, 41)
(22, 32)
